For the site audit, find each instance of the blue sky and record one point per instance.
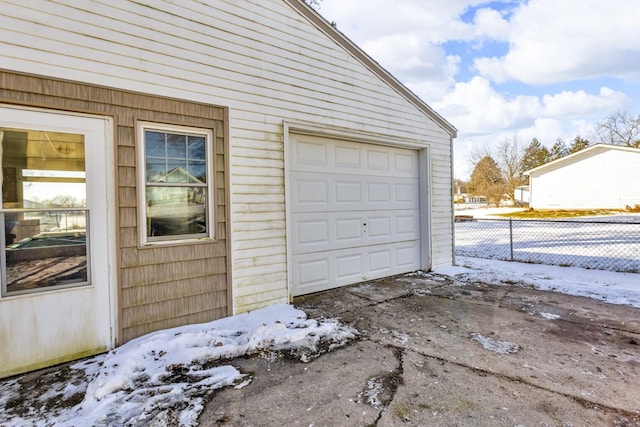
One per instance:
(501, 70)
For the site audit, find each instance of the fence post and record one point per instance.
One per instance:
(511, 236)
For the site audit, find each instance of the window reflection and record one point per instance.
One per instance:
(43, 209)
(176, 186)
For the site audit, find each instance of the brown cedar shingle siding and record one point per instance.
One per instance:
(158, 287)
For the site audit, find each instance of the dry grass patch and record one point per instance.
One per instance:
(560, 213)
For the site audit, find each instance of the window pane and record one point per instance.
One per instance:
(176, 211)
(176, 145)
(156, 170)
(155, 144)
(43, 182)
(198, 171)
(39, 258)
(42, 169)
(196, 148)
(177, 171)
(177, 194)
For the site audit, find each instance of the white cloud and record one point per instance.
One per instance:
(555, 41)
(485, 116)
(491, 24)
(580, 103)
(534, 43)
(476, 108)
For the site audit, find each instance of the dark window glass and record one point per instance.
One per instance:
(176, 185)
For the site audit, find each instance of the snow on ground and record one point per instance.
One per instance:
(604, 242)
(166, 375)
(608, 286)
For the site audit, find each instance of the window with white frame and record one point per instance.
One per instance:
(176, 182)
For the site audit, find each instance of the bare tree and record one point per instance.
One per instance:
(313, 3)
(510, 154)
(509, 157)
(478, 152)
(620, 128)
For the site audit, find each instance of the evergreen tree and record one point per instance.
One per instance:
(535, 154)
(558, 150)
(578, 144)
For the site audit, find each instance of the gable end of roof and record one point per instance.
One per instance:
(336, 35)
(589, 150)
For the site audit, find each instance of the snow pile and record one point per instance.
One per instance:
(609, 286)
(164, 377)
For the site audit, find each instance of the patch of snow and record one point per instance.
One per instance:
(502, 347)
(166, 375)
(609, 286)
(372, 390)
(9, 392)
(550, 316)
(400, 337)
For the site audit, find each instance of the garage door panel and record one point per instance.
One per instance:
(348, 230)
(379, 192)
(313, 232)
(311, 153)
(311, 192)
(407, 257)
(322, 192)
(354, 210)
(347, 156)
(348, 191)
(378, 159)
(312, 273)
(339, 230)
(407, 226)
(320, 271)
(380, 262)
(380, 227)
(407, 192)
(349, 267)
(405, 164)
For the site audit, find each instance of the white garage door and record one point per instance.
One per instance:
(354, 212)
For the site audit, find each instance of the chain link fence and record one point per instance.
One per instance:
(601, 245)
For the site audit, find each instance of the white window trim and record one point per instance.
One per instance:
(141, 127)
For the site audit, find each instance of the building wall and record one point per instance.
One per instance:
(264, 61)
(158, 287)
(594, 179)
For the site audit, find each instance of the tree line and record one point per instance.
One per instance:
(498, 170)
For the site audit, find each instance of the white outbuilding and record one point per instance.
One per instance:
(599, 177)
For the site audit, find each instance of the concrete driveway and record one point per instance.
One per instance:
(433, 352)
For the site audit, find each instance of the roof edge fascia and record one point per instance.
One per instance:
(337, 36)
(581, 152)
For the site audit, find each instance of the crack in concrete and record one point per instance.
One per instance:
(392, 380)
(584, 402)
(501, 300)
(401, 351)
(499, 305)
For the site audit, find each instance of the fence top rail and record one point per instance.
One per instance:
(634, 221)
